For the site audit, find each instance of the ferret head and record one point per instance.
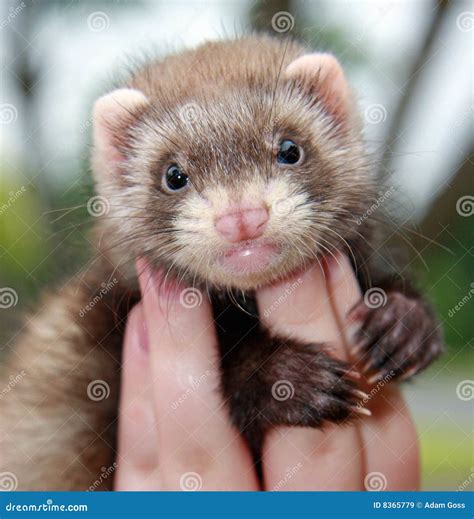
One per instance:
(234, 186)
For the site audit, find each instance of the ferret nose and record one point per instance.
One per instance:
(243, 224)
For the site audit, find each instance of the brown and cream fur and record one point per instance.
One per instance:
(245, 98)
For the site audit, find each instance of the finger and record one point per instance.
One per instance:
(137, 447)
(328, 459)
(389, 435)
(197, 445)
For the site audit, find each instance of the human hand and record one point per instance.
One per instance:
(174, 430)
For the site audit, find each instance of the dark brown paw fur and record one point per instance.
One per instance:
(399, 335)
(283, 382)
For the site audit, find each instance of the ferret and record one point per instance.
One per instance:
(228, 166)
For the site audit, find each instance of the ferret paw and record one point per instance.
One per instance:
(398, 336)
(310, 388)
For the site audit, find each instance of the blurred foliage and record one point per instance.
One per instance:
(316, 33)
(444, 461)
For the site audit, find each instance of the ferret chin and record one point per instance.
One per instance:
(248, 265)
(229, 165)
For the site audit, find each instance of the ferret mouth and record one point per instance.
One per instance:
(249, 257)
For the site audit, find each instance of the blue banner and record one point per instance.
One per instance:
(237, 505)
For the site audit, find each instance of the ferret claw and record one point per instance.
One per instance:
(360, 410)
(360, 394)
(375, 378)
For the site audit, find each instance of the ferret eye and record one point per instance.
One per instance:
(288, 152)
(175, 179)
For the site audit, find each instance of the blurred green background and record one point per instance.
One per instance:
(411, 67)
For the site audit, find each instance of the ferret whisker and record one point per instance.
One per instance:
(349, 248)
(428, 239)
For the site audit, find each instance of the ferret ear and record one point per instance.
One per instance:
(322, 75)
(112, 115)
